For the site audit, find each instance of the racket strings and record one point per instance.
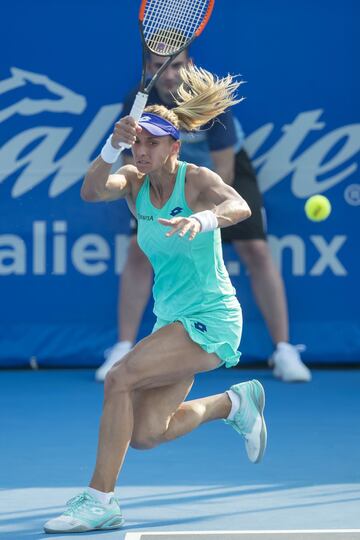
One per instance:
(169, 24)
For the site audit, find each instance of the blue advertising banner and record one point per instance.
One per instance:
(65, 68)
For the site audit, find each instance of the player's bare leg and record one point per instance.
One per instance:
(144, 406)
(160, 360)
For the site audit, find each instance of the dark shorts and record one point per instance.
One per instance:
(245, 184)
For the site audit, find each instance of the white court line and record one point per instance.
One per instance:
(354, 534)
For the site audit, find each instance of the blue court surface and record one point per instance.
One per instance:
(309, 478)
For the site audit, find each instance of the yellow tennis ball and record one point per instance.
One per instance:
(317, 208)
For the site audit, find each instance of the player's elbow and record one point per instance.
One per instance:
(247, 211)
(244, 211)
(87, 193)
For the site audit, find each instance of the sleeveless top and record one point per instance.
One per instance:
(190, 276)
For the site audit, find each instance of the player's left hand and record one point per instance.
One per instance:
(182, 226)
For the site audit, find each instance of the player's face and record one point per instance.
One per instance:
(151, 153)
(169, 81)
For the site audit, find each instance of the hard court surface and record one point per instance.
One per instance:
(309, 479)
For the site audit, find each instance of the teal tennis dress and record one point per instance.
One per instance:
(191, 283)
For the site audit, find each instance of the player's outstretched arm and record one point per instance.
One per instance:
(227, 205)
(215, 203)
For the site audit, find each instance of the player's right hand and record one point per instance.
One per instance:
(125, 131)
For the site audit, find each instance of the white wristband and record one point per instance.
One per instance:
(108, 153)
(207, 220)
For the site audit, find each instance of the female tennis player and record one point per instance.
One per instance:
(180, 208)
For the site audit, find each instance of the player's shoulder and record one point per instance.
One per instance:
(199, 177)
(194, 173)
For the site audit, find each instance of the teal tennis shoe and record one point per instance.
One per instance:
(249, 420)
(85, 513)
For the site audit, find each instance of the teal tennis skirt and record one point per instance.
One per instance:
(216, 332)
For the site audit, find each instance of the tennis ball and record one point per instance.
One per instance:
(317, 208)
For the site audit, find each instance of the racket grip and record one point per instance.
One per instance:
(136, 111)
(139, 105)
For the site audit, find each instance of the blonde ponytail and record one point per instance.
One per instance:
(201, 97)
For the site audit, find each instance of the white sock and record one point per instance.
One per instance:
(235, 404)
(282, 346)
(103, 498)
(125, 344)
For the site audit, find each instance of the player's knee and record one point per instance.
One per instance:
(142, 443)
(143, 439)
(149, 431)
(117, 379)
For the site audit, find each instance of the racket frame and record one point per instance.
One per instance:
(142, 95)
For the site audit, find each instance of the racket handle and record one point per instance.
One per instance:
(139, 105)
(136, 111)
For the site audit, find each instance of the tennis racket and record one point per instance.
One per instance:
(167, 27)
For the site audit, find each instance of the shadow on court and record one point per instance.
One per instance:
(203, 481)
